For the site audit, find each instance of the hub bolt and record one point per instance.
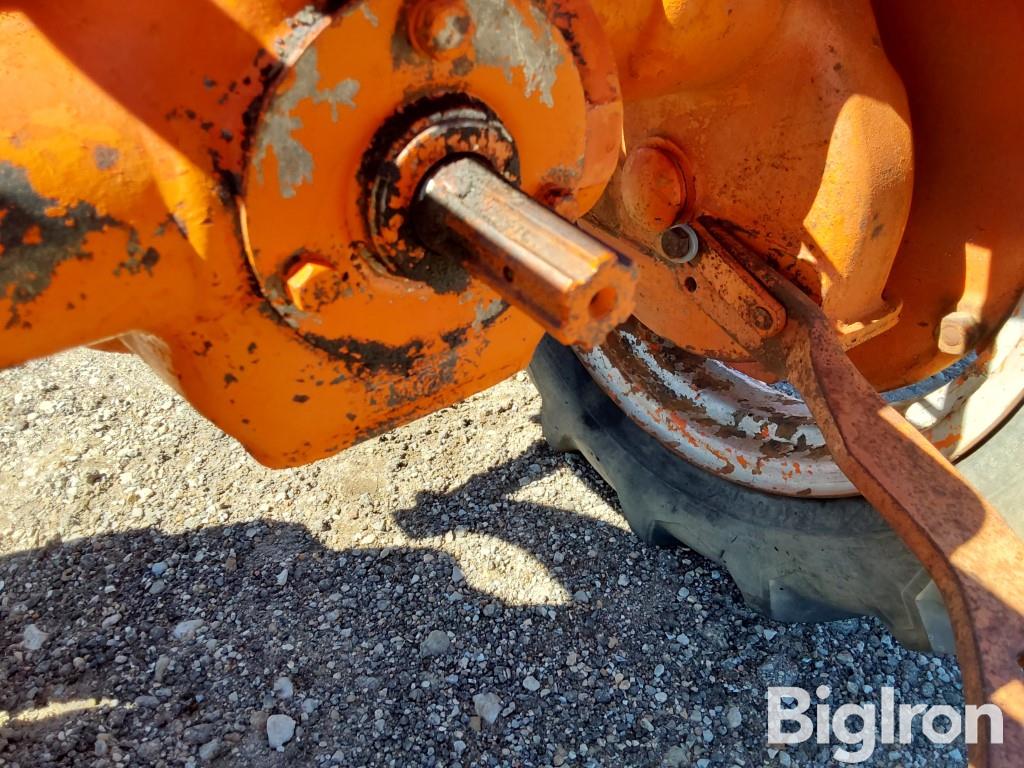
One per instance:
(312, 286)
(958, 332)
(440, 29)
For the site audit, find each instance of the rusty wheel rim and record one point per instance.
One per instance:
(763, 436)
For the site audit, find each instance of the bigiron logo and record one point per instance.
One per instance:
(859, 728)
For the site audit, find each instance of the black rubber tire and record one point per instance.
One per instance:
(793, 559)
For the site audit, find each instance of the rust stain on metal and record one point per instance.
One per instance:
(703, 411)
(964, 542)
(729, 294)
(395, 349)
(393, 174)
(654, 187)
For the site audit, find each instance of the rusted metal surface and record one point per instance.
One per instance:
(214, 214)
(711, 286)
(132, 187)
(885, 110)
(573, 285)
(715, 417)
(398, 175)
(825, 195)
(728, 294)
(763, 436)
(679, 243)
(974, 557)
(211, 212)
(971, 553)
(413, 334)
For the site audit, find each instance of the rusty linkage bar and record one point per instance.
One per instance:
(966, 545)
(573, 285)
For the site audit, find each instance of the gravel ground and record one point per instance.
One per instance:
(452, 593)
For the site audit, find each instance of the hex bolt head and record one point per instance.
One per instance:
(762, 318)
(312, 286)
(958, 332)
(680, 244)
(440, 29)
(653, 188)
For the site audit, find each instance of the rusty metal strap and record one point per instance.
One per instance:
(975, 558)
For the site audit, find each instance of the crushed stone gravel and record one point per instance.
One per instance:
(157, 586)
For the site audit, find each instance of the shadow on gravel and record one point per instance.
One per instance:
(642, 668)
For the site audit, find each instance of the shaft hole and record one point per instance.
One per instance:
(1020, 660)
(690, 284)
(602, 303)
(507, 274)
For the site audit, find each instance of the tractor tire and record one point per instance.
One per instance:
(793, 559)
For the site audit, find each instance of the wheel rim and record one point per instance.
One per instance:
(762, 436)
